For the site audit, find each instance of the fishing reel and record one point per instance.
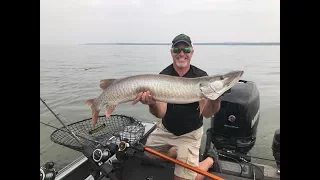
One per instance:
(123, 145)
(101, 155)
(47, 172)
(125, 150)
(104, 153)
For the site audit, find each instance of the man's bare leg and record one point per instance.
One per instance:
(204, 165)
(212, 160)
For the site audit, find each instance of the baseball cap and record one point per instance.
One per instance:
(181, 38)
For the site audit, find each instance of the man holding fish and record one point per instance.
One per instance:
(179, 133)
(180, 95)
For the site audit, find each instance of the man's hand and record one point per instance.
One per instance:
(144, 98)
(217, 101)
(157, 108)
(216, 105)
(210, 107)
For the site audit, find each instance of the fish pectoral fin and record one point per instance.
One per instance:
(138, 98)
(94, 111)
(136, 101)
(110, 109)
(104, 83)
(202, 108)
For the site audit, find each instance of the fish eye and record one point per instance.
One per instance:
(221, 77)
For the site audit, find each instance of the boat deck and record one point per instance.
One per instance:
(135, 169)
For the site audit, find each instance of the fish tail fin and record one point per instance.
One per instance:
(94, 111)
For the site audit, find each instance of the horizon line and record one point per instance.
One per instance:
(196, 43)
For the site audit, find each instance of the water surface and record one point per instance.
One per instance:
(65, 84)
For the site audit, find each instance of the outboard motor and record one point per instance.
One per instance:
(234, 127)
(276, 147)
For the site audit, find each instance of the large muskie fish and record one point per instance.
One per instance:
(165, 88)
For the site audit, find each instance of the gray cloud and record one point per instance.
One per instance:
(81, 21)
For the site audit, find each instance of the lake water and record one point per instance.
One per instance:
(65, 84)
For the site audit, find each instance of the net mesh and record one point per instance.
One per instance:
(107, 130)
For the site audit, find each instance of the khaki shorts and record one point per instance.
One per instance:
(188, 146)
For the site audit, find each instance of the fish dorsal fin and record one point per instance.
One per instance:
(104, 83)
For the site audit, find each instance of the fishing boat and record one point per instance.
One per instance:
(115, 148)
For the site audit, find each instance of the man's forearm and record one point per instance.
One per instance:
(215, 108)
(156, 109)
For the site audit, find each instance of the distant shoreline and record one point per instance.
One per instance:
(218, 43)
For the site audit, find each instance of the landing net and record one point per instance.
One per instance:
(107, 130)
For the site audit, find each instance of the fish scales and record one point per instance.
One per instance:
(165, 88)
(162, 88)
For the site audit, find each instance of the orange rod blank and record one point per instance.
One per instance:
(199, 171)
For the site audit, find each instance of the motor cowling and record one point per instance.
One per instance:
(234, 126)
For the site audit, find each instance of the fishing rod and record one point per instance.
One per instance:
(62, 122)
(69, 132)
(88, 151)
(185, 165)
(124, 145)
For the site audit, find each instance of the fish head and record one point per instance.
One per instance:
(216, 85)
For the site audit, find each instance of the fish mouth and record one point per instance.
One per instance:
(233, 78)
(236, 74)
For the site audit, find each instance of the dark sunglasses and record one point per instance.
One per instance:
(185, 50)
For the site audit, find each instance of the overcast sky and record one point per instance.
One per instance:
(83, 21)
